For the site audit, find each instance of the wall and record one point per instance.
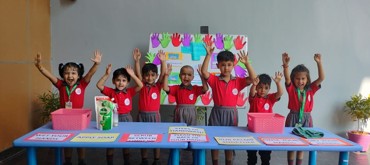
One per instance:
(336, 29)
(25, 30)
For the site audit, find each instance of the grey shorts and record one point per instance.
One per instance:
(293, 118)
(125, 117)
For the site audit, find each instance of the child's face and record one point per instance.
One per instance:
(120, 82)
(186, 76)
(226, 67)
(262, 89)
(300, 80)
(70, 75)
(150, 77)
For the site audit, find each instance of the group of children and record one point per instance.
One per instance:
(225, 89)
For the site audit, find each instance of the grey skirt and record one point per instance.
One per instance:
(153, 117)
(223, 116)
(293, 118)
(125, 117)
(186, 113)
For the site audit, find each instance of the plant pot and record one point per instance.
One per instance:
(361, 139)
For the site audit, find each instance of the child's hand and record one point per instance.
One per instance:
(161, 55)
(286, 59)
(209, 48)
(129, 70)
(278, 77)
(38, 60)
(243, 57)
(169, 69)
(97, 57)
(136, 54)
(108, 69)
(256, 81)
(199, 70)
(317, 57)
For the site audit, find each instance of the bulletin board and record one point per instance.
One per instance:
(188, 49)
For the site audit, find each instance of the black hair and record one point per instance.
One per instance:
(149, 67)
(264, 79)
(301, 68)
(121, 71)
(80, 68)
(225, 56)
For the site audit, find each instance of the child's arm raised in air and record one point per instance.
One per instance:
(277, 79)
(286, 59)
(162, 57)
(210, 49)
(253, 91)
(103, 79)
(321, 77)
(44, 71)
(137, 56)
(168, 71)
(244, 58)
(138, 82)
(96, 60)
(204, 81)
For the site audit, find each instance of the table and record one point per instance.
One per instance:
(124, 127)
(229, 131)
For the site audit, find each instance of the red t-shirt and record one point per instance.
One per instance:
(77, 95)
(226, 93)
(293, 103)
(184, 95)
(122, 98)
(150, 97)
(262, 104)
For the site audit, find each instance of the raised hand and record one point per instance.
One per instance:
(238, 42)
(176, 39)
(165, 40)
(161, 55)
(241, 100)
(317, 57)
(209, 48)
(278, 77)
(228, 42)
(169, 69)
(255, 81)
(199, 70)
(108, 69)
(187, 39)
(243, 57)
(286, 59)
(206, 98)
(207, 38)
(136, 54)
(155, 40)
(97, 57)
(129, 70)
(219, 41)
(37, 61)
(197, 38)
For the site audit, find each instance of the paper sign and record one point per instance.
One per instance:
(95, 137)
(237, 140)
(49, 137)
(187, 138)
(141, 138)
(283, 141)
(327, 142)
(186, 130)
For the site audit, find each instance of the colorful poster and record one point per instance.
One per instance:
(327, 142)
(188, 49)
(141, 138)
(187, 138)
(95, 137)
(186, 130)
(49, 137)
(283, 141)
(237, 140)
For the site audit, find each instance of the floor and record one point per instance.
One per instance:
(97, 157)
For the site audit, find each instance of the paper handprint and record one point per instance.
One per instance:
(197, 38)
(187, 40)
(171, 99)
(238, 42)
(228, 42)
(219, 41)
(240, 72)
(207, 39)
(165, 40)
(241, 100)
(154, 39)
(176, 39)
(206, 98)
(153, 58)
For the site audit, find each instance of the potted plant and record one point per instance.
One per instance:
(49, 102)
(359, 109)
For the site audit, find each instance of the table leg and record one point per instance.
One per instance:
(175, 157)
(58, 156)
(32, 157)
(201, 157)
(312, 158)
(343, 158)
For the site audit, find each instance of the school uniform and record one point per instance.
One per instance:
(76, 96)
(149, 103)
(123, 99)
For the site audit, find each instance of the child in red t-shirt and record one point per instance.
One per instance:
(261, 101)
(300, 92)
(122, 95)
(225, 90)
(71, 90)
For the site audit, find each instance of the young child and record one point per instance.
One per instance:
(123, 97)
(300, 91)
(225, 90)
(261, 101)
(71, 90)
(186, 94)
(150, 96)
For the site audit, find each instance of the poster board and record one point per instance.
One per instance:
(188, 49)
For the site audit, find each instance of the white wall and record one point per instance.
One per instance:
(338, 29)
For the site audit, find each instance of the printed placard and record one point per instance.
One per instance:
(327, 142)
(249, 140)
(187, 138)
(95, 137)
(141, 138)
(283, 141)
(186, 130)
(49, 137)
